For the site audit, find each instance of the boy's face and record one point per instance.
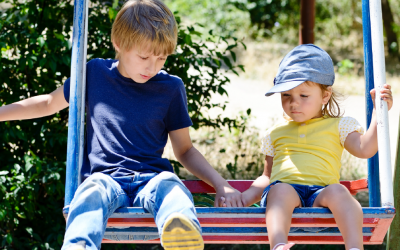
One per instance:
(139, 65)
(304, 102)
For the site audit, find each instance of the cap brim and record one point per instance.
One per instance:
(281, 87)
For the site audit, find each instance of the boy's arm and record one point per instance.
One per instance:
(253, 194)
(366, 146)
(34, 107)
(195, 162)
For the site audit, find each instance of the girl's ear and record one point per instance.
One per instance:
(327, 95)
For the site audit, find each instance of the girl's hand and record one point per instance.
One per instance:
(386, 95)
(221, 202)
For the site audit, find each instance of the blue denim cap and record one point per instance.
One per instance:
(306, 62)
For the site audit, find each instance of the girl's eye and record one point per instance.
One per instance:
(285, 94)
(163, 58)
(143, 58)
(304, 95)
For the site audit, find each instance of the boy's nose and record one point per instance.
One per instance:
(151, 68)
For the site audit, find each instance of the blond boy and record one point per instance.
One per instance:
(132, 107)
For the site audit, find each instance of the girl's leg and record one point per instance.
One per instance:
(346, 211)
(281, 201)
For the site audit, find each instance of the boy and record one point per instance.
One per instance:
(132, 107)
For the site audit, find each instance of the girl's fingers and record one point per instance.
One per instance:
(387, 86)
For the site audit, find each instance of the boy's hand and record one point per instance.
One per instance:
(227, 196)
(221, 202)
(386, 95)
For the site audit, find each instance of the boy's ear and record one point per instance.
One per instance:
(326, 95)
(116, 45)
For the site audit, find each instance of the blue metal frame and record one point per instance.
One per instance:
(373, 164)
(75, 123)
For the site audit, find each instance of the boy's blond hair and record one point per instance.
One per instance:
(145, 24)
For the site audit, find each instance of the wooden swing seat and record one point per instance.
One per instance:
(247, 225)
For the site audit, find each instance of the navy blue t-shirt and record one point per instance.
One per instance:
(127, 123)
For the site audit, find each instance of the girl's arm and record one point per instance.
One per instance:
(366, 146)
(253, 194)
(34, 107)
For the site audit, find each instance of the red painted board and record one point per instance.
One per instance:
(197, 186)
(255, 240)
(237, 222)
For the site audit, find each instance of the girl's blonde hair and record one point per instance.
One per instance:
(332, 108)
(145, 24)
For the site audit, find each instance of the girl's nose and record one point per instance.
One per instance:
(293, 102)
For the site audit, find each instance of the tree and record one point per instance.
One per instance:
(388, 23)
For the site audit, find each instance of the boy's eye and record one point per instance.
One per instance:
(163, 58)
(304, 95)
(285, 95)
(144, 58)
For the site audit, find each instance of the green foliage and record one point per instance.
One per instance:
(267, 14)
(345, 66)
(35, 59)
(218, 15)
(203, 65)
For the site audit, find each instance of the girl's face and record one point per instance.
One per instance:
(305, 101)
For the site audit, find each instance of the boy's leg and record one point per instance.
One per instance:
(346, 211)
(171, 204)
(281, 201)
(94, 201)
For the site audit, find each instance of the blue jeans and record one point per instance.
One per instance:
(307, 193)
(100, 195)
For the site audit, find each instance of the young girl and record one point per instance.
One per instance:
(302, 154)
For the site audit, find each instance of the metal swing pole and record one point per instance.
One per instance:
(76, 100)
(373, 163)
(378, 57)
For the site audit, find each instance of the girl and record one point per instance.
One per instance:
(302, 154)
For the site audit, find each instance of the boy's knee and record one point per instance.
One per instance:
(95, 185)
(169, 179)
(97, 179)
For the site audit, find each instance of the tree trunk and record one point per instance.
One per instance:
(307, 21)
(393, 237)
(391, 36)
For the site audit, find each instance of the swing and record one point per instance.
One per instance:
(246, 225)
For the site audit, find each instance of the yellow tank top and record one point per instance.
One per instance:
(307, 153)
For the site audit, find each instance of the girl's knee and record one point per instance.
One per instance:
(337, 195)
(337, 191)
(283, 193)
(282, 190)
